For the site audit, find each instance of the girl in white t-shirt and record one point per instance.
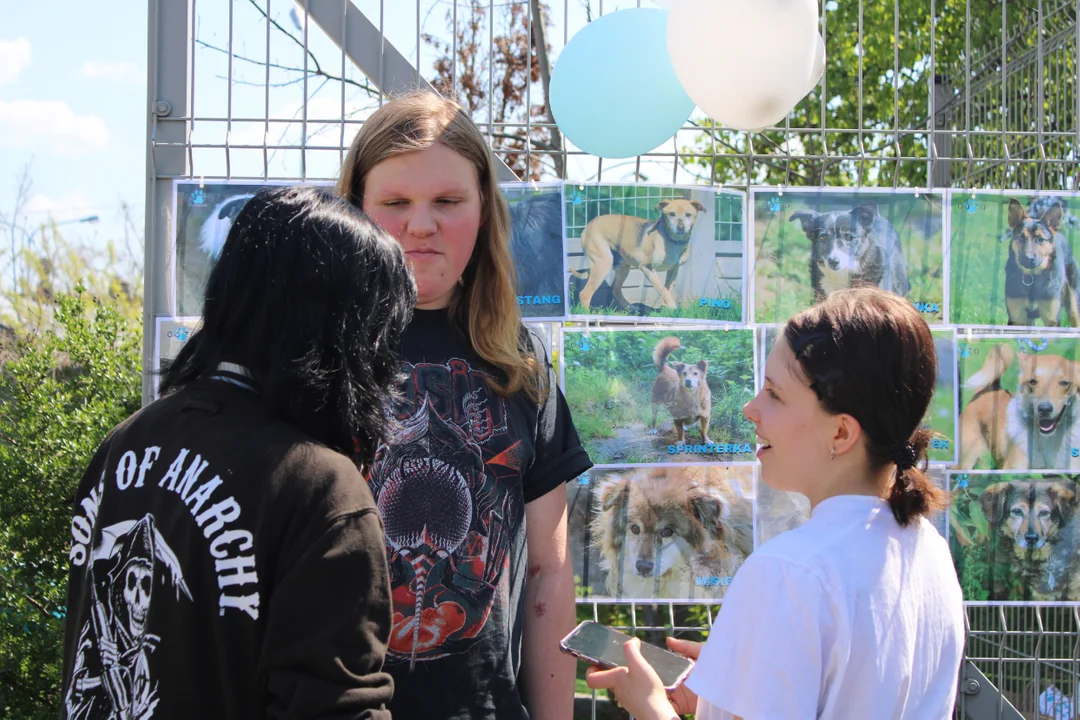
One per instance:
(858, 612)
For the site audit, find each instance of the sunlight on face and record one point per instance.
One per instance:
(430, 201)
(791, 425)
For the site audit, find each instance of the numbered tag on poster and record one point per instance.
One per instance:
(810, 243)
(655, 251)
(1012, 259)
(779, 511)
(670, 396)
(660, 533)
(536, 244)
(170, 335)
(204, 213)
(1018, 402)
(1016, 536)
(941, 416)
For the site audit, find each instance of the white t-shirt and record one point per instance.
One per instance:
(847, 616)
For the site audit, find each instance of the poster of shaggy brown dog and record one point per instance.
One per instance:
(660, 533)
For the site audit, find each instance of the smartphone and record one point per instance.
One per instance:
(600, 645)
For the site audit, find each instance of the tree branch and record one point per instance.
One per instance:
(318, 72)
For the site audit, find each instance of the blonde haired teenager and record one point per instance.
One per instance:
(471, 490)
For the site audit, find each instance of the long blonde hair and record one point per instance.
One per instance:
(485, 303)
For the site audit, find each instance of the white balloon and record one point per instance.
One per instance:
(818, 68)
(746, 64)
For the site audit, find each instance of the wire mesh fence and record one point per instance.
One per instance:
(936, 93)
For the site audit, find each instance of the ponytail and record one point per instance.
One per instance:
(912, 494)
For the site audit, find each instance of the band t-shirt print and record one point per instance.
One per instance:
(451, 488)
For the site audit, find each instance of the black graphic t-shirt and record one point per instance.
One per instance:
(224, 565)
(451, 489)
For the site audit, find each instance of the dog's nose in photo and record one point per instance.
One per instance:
(645, 567)
(1045, 409)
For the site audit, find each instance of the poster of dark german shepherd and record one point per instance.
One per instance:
(808, 243)
(1012, 259)
(670, 396)
(1016, 536)
(536, 244)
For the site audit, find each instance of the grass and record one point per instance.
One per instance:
(691, 309)
(782, 251)
(978, 257)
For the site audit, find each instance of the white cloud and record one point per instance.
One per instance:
(26, 123)
(14, 58)
(71, 206)
(118, 71)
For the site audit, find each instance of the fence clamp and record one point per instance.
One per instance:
(970, 687)
(163, 108)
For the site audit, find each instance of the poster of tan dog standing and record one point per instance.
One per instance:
(659, 251)
(660, 533)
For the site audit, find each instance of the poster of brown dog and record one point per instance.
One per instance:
(673, 533)
(655, 251)
(1016, 536)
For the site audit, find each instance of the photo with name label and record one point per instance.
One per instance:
(655, 251)
(660, 533)
(536, 243)
(1019, 408)
(941, 416)
(670, 396)
(808, 243)
(1012, 259)
(1016, 536)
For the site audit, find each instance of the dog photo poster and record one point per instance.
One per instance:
(1012, 259)
(536, 243)
(777, 511)
(170, 335)
(655, 251)
(674, 396)
(1019, 408)
(1015, 536)
(941, 416)
(660, 533)
(204, 212)
(808, 243)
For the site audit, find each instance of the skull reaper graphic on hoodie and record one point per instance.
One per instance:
(451, 488)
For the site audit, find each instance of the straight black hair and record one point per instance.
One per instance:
(311, 297)
(868, 353)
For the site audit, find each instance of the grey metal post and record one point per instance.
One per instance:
(943, 141)
(168, 106)
(362, 42)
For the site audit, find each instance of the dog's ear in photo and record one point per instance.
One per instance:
(703, 365)
(613, 497)
(993, 501)
(662, 204)
(864, 214)
(1063, 495)
(1052, 218)
(807, 217)
(678, 367)
(710, 509)
(1017, 214)
(698, 206)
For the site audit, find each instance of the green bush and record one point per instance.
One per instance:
(61, 391)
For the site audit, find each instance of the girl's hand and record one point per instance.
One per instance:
(683, 698)
(637, 687)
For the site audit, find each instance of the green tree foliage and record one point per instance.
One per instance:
(875, 100)
(62, 390)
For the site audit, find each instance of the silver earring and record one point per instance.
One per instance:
(832, 454)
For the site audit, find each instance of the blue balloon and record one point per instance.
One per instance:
(614, 92)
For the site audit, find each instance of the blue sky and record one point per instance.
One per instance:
(73, 99)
